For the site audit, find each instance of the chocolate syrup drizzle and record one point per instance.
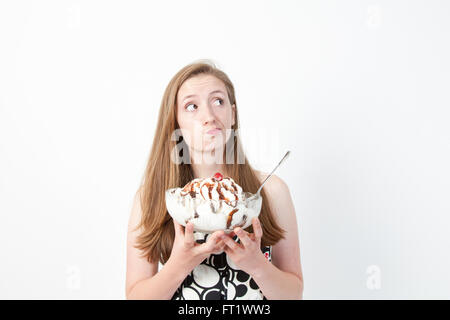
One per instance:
(191, 186)
(190, 189)
(230, 217)
(244, 220)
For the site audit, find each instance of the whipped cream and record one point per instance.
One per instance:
(212, 204)
(210, 188)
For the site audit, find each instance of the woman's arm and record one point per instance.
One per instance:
(281, 279)
(143, 281)
(276, 284)
(161, 286)
(286, 253)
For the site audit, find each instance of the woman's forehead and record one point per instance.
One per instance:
(201, 85)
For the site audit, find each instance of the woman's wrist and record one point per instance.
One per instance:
(177, 269)
(262, 268)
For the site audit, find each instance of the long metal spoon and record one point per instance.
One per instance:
(267, 178)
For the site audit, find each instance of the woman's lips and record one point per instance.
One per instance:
(213, 131)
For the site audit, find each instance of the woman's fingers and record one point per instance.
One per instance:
(189, 240)
(178, 228)
(243, 236)
(215, 238)
(230, 243)
(221, 245)
(257, 228)
(212, 243)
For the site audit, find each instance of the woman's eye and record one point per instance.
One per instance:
(191, 107)
(221, 101)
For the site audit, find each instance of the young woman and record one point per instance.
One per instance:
(261, 262)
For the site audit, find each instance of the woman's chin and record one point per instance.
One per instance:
(210, 150)
(213, 148)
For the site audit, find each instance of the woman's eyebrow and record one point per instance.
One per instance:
(216, 91)
(194, 95)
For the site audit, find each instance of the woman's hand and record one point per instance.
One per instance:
(186, 253)
(246, 255)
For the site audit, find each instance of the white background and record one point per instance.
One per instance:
(357, 90)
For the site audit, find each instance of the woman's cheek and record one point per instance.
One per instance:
(195, 139)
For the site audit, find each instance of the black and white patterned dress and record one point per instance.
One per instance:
(218, 278)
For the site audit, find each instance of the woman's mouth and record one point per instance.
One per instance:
(213, 131)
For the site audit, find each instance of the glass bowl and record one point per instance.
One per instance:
(209, 215)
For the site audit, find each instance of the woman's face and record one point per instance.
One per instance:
(204, 113)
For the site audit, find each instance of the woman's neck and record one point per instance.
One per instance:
(204, 166)
(206, 171)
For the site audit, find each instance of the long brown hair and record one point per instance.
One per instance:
(161, 173)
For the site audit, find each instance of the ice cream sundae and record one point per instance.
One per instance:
(211, 204)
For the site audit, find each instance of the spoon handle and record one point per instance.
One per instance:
(270, 174)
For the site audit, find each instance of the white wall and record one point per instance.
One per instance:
(357, 90)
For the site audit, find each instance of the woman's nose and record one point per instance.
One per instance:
(207, 114)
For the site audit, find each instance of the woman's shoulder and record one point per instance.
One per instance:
(279, 199)
(275, 184)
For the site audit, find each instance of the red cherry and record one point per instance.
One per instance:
(218, 176)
